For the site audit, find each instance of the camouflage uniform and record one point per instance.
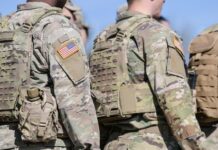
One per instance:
(156, 56)
(67, 84)
(78, 16)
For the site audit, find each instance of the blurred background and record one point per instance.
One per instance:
(187, 18)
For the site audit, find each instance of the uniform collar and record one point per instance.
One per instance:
(33, 5)
(128, 14)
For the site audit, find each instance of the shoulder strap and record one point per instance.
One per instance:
(127, 27)
(125, 31)
(30, 22)
(121, 31)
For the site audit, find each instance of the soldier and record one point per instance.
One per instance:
(203, 76)
(164, 21)
(74, 13)
(44, 72)
(161, 19)
(139, 85)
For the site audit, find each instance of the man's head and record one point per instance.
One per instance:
(54, 3)
(69, 10)
(74, 14)
(67, 13)
(149, 7)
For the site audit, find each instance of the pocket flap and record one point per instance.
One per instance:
(202, 43)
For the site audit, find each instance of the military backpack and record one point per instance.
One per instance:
(203, 75)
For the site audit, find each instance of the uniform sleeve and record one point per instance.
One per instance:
(70, 77)
(166, 73)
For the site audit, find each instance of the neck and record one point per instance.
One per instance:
(50, 2)
(141, 8)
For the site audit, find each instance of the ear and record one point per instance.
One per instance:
(61, 3)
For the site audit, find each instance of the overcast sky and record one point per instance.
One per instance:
(187, 17)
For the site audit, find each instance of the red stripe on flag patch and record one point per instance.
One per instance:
(68, 50)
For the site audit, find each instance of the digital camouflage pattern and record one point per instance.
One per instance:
(49, 71)
(156, 56)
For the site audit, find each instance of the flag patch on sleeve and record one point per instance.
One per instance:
(68, 49)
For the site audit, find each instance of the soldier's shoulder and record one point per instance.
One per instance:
(152, 27)
(57, 19)
(57, 25)
(209, 29)
(153, 30)
(110, 29)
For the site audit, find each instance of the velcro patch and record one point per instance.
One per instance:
(178, 44)
(68, 48)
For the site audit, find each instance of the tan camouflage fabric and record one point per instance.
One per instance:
(150, 138)
(203, 74)
(78, 15)
(156, 56)
(209, 46)
(68, 85)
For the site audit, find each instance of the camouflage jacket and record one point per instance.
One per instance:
(68, 82)
(156, 55)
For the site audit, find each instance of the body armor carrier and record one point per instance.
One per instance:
(203, 75)
(15, 57)
(114, 94)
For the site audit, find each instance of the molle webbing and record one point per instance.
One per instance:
(8, 79)
(108, 65)
(6, 36)
(32, 21)
(204, 62)
(15, 58)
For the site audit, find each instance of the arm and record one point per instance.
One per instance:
(70, 78)
(166, 73)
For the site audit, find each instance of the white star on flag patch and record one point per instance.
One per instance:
(68, 49)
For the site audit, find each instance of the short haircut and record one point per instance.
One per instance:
(161, 18)
(129, 1)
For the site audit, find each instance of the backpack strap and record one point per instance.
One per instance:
(121, 31)
(127, 27)
(125, 31)
(28, 25)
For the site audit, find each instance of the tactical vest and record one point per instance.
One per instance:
(15, 57)
(203, 68)
(115, 96)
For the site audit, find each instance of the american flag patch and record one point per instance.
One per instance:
(68, 50)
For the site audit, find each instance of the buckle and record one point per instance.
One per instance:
(120, 36)
(26, 27)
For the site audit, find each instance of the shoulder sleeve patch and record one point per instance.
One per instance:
(177, 44)
(174, 41)
(68, 49)
(70, 55)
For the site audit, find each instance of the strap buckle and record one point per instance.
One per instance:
(26, 27)
(120, 35)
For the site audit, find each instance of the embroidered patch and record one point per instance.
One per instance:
(67, 49)
(177, 44)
